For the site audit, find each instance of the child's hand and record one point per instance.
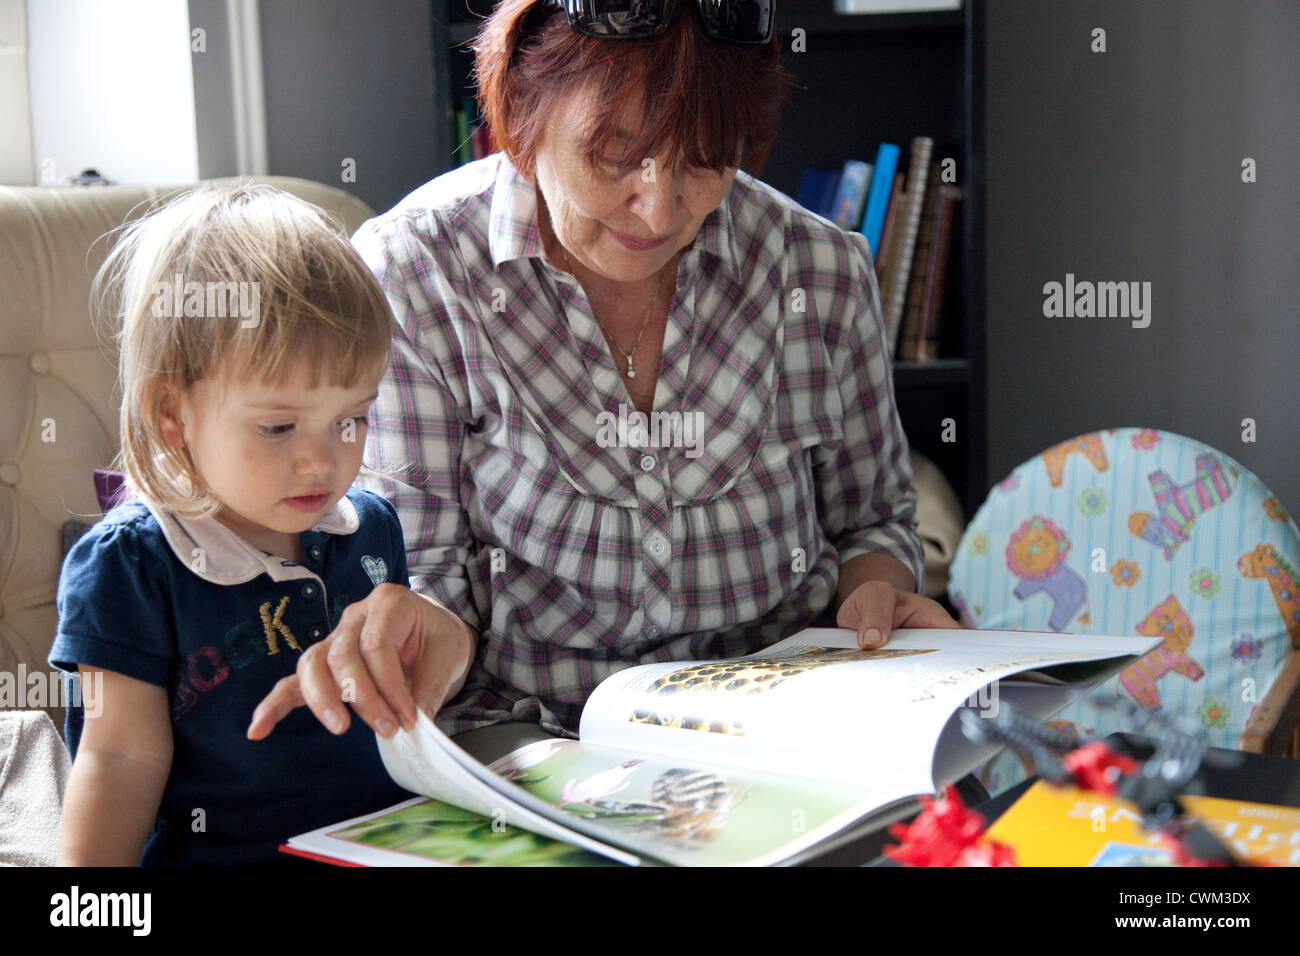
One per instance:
(392, 652)
(880, 607)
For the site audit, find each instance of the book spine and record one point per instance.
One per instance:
(913, 197)
(817, 189)
(889, 233)
(827, 208)
(852, 194)
(949, 198)
(462, 135)
(878, 198)
(912, 334)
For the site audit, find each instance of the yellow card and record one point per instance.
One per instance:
(1051, 826)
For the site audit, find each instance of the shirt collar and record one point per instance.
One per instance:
(223, 557)
(513, 233)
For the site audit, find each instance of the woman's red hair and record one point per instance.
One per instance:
(709, 103)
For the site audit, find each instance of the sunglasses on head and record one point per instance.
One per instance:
(738, 21)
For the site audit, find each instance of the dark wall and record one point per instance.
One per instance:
(1126, 165)
(343, 80)
(350, 80)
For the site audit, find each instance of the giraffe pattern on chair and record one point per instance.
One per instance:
(1089, 446)
(1264, 562)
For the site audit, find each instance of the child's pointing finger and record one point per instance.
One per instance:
(285, 697)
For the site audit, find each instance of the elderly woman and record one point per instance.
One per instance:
(640, 407)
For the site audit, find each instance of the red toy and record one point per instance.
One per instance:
(1094, 766)
(946, 833)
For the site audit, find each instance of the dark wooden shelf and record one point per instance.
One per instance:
(822, 23)
(943, 371)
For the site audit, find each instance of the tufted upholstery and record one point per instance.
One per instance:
(57, 381)
(1139, 531)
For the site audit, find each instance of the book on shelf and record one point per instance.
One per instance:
(851, 197)
(882, 179)
(906, 347)
(464, 149)
(919, 335)
(473, 137)
(1065, 826)
(894, 292)
(767, 759)
(817, 189)
(928, 337)
(888, 232)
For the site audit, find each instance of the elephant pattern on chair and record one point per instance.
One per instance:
(1136, 531)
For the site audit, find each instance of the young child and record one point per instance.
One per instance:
(253, 339)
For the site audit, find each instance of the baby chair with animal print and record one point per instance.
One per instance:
(1135, 531)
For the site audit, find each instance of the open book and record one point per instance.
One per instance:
(765, 759)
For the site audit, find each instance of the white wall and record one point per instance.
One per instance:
(112, 88)
(15, 119)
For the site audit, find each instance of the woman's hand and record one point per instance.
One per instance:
(875, 608)
(393, 652)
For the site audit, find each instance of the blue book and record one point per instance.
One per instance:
(817, 188)
(878, 200)
(852, 194)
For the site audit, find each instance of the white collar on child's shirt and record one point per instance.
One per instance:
(215, 553)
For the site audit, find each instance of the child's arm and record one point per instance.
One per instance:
(121, 769)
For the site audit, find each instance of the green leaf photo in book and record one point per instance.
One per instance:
(440, 832)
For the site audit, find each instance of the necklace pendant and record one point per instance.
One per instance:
(630, 372)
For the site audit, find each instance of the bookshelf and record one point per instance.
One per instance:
(863, 79)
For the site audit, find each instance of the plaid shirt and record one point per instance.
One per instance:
(532, 513)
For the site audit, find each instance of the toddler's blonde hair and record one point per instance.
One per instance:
(318, 307)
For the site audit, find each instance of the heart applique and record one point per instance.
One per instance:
(376, 568)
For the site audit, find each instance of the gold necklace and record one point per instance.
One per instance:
(630, 373)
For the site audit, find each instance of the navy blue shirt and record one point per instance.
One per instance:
(191, 606)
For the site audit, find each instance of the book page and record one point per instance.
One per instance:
(692, 813)
(815, 706)
(678, 812)
(427, 762)
(425, 832)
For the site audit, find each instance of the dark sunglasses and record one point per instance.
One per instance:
(738, 21)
